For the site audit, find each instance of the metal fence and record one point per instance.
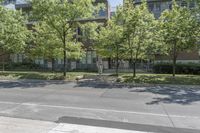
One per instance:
(141, 67)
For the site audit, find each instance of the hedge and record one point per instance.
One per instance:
(20, 66)
(181, 68)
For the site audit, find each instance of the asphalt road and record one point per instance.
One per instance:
(164, 109)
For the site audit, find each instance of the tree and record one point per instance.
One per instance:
(139, 28)
(196, 13)
(179, 31)
(61, 19)
(48, 46)
(13, 31)
(109, 39)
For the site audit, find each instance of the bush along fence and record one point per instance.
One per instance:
(181, 68)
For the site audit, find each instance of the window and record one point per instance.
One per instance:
(102, 13)
(157, 6)
(79, 31)
(170, 6)
(10, 1)
(94, 56)
(184, 4)
(151, 6)
(83, 60)
(89, 57)
(192, 4)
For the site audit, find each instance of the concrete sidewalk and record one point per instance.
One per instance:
(16, 125)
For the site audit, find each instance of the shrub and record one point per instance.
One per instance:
(20, 66)
(181, 68)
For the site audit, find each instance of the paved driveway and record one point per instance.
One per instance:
(155, 109)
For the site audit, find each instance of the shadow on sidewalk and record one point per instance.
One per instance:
(122, 125)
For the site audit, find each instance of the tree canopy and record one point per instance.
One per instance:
(59, 20)
(109, 40)
(180, 29)
(13, 31)
(139, 28)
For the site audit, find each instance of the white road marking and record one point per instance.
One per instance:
(98, 110)
(73, 128)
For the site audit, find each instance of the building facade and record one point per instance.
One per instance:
(158, 6)
(7, 2)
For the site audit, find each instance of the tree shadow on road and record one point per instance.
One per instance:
(25, 84)
(98, 84)
(178, 94)
(183, 95)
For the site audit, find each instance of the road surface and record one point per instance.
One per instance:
(58, 105)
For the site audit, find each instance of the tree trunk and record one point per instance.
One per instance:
(133, 63)
(117, 62)
(174, 60)
(174, 67)
(64, 58)
(109, 63)
(3, 64)
(53, 65)
(134, 69)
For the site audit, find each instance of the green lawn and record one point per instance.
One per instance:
(127, 78)
(71, 76)
(162, 79)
